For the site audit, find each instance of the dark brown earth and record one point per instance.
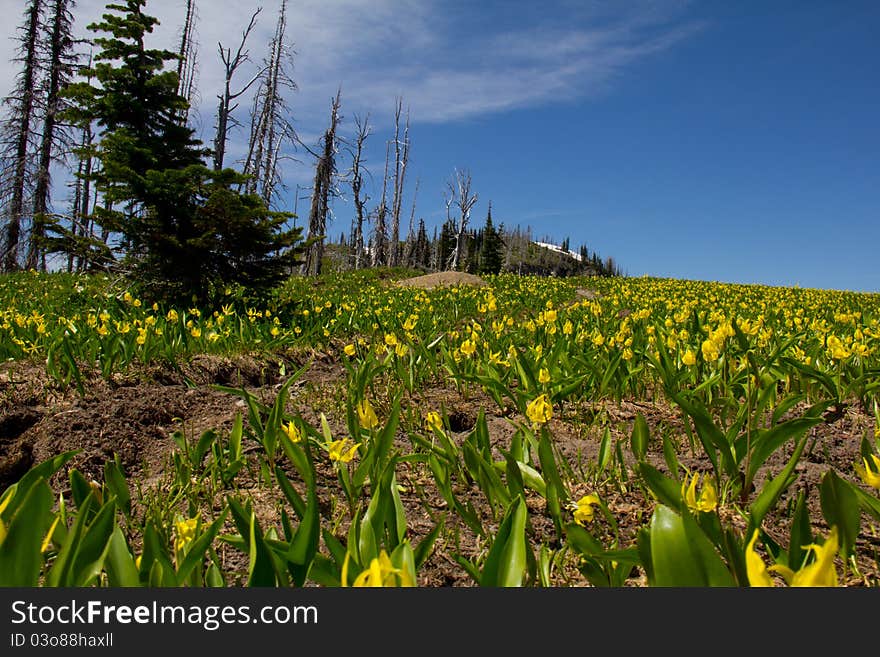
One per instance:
(134, 415)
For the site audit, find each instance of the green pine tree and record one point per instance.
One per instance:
(182, 229)
(491, 248)
(445, 246)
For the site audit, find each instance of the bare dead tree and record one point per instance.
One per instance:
(60, 64)
(409, 246)
(188, 54)
(356, 177)
(380, 238)
(18, 135)
(460, 196)
(270, 127)
(401, 157)
(225, 119)
(325, 171)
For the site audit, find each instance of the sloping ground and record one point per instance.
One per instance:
(133, 417)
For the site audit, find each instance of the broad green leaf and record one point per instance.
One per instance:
(306, 538)
(208, 437)
(670, 456)
(296, 501)
(92, 547)
(605, 451)
(868, 503)
(119, 563)
(801, 533)
(155, 561)
(682, 555)
(711, 436)
(59, 573)
(667, 490)
(214, 577)
(403, 558)
(515, 484)
(772, 490)
(812, 373)
(235, 438)
(768, 442)
(21, 559)
(80, 489)
(640, 437)
(840, 506)
(556, 491)
(582, 541)
(261, 569)
(115, 481)
(505, 565)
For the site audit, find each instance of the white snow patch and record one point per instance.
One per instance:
(557, 249)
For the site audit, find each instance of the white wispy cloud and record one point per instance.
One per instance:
(450, 60)
(428, 51)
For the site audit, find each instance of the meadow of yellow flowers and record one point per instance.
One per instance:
(348, 431)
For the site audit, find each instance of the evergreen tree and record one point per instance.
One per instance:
(183, 228)
(446, 245)
(471, 253)
(491, 248)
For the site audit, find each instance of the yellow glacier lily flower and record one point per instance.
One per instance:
(434, 421)
(755, 568)
(539, 410)
(291, 431)
(689, 358)
(819, 573)
(339, 450)
(871, 476)
(366, 414)
(583, 509)
(380, 573)
(708, 499)
(186, 532)
(710, 350)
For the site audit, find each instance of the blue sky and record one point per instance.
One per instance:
(729, 141)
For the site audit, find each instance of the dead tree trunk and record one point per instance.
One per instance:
(463, 198)
(401, 157)
(60, 66)
(357, 181)
(20, 122)
(325, 170)
(186, 65)
(269, 126)
(225, 120)
(409, 246)
(380, 241)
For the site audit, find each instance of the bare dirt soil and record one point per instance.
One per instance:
(439, 279)
(134, 415)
